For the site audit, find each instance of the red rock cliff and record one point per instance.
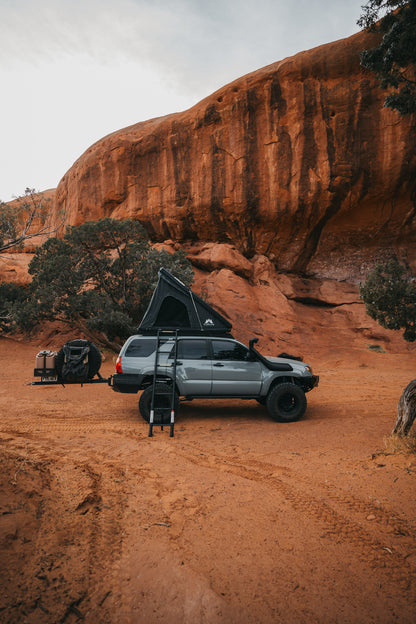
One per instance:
(298, 161)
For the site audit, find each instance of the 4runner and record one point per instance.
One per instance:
(213, 367)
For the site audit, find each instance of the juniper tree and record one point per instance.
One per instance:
(99, 277)
(394, 59)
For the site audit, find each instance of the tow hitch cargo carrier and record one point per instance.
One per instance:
(78, 362)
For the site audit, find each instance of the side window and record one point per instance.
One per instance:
(141, 348)
(193, 350)
(227, 350)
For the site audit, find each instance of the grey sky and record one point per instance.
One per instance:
(71, 71)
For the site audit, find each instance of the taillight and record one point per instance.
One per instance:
(118, 365)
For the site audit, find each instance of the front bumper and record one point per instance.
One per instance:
(309, 383)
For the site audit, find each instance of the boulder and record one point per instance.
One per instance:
(212, 256)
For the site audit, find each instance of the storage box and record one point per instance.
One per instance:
(45, 364)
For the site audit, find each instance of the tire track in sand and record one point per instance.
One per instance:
(372, 551)
(79, 530)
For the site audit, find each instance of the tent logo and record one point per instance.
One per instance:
(209, 323)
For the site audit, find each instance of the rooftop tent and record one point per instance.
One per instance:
(175, 306)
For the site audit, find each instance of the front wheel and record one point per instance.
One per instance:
(286, 402)
(163, 402)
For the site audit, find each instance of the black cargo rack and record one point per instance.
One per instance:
(56, 381)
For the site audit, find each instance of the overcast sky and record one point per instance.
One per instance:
(72, 71)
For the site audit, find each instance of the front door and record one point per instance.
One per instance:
(233, 373)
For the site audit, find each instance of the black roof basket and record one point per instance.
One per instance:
(175, 307)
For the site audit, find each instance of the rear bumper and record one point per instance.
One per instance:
(127, 383)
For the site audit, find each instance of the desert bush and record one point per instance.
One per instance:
(11, 295)
(400, 444)
(25, 218)
(389, 295)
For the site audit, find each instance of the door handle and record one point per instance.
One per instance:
(218, 364)
(178, 363)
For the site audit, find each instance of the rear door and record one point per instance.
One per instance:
(194, 367)
(233, 373)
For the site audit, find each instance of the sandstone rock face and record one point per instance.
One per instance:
(300, 325)
(14, 267)
(298, 161)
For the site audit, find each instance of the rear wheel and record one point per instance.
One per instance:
(163, 402)
(286, 402)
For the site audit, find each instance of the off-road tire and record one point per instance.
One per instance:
(160, 416)
(286, 402)
(94, 358)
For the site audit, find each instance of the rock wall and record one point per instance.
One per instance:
(14, 267)
(298, 161)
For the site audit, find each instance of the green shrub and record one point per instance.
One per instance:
(99, 278)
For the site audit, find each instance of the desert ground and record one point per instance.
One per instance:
(234, 519)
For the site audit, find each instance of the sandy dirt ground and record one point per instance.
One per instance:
(235, 519)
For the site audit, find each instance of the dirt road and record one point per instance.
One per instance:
(235, 519)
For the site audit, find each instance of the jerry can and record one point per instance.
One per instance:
(45, 365)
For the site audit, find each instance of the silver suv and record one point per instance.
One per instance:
(213, 367)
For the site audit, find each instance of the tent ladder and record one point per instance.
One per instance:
(163, 399)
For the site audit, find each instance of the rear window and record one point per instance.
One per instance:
(141, 348)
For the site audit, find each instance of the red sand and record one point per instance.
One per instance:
(235, 519)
